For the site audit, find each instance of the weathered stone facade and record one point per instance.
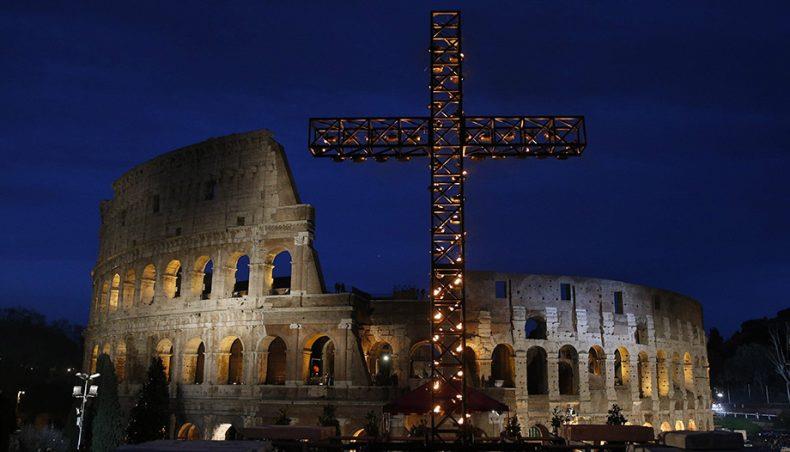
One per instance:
(170, 282)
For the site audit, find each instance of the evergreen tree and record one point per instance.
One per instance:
(513, 429)
(329, 419)
(148, 419)
(107, 428)
(615, 416)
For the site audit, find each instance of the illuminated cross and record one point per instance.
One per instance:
(447, 137)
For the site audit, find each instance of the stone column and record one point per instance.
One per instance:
(210, 367)
(257, 284)
(293, 375)
(345, 377)
(651, 365)
(485, 368)
(584, 381)
(611, 393)
(262, 365)
(520, 373)
(552, 372)
(196, 284)
(396, 425)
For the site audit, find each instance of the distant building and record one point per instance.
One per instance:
(186, 271)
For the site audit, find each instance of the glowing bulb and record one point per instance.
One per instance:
(437, 316)
(457, 281)
(459, 348)
(437, 409)
(459, 326)
(435, 337)
(460, 373)
(385, 358)
(436, 385)
(461, 421)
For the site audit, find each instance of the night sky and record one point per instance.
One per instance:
(684, 184)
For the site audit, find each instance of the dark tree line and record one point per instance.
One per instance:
(751, 366)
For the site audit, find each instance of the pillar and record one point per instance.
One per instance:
(257, 286)
(293, 376)
(611, 393)
(553, 375)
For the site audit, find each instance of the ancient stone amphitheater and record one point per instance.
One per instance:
(206, 260)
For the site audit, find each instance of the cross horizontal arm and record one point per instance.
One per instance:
(484, 136)
(524, 136)
(363, 138)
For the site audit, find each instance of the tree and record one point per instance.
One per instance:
(372, 425)
(149, 417)
(558, 418)
(107, 427)
(615, 416)
(329, 419)
(512, 429)
(778, 355)
(282, 418)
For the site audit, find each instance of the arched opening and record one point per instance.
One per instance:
(662, 372)
(164, 350)
(105, 298)
(194, 361)
(147, 283)
(622, 367)
(420, 359)
(204, 272)
(120, 361)
(679, 425)
(535, 328)
(320, 367)
(94, 358)
(537, 371)
(502, 366)
(596, 368)
(114, 292)
(223, 432)
(230, 362)
(567, 370)
(643, 370)
(172, 279)
(677, 379)
(275, 362)
(471, 370)
(665, 427)
(281, 274)
(692, 425)
(688, 372)
(647, 424)
(188, 432)
(128, 289)
(241, 283)
(380, 364)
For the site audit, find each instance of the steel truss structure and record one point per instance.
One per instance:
(447, 137)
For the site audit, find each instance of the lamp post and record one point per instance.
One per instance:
(84, 392)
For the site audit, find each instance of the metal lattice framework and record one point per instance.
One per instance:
(447, 137)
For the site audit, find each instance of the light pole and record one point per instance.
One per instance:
(84, 392)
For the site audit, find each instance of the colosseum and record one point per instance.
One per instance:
(206, 260)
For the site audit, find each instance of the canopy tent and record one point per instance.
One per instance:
(418, 401)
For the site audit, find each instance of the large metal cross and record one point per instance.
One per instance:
(447, 137)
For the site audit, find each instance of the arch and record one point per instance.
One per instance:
(688, 372)
(647, 424)
(282, 265)
(194, 361)
(622, 367)
(420, 359)
(147, 284)
(204, 273)
(231, 361)
(274, 372)
(94, 358)
(359, 432)
(502, 365)
(222, 432)
(380, 363)
(164, 350)
(104, 298)
(535, 328)
(114, 292)
(568, 370)
(241, 281)
(471, 369)
(120, 361)
(172, 279)
(107, 349)
(692, 425)
(128, 288)
(679, 425)
(643, 371)
(665, 427)
(537, 371)
(188, 432)
(596, 368)
(662, 373)
(319, 361)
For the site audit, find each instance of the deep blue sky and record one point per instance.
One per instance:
(684, 184)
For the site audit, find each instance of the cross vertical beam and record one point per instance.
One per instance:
(447, 225)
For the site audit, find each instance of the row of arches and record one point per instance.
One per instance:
(125, 291)
(271, 366)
